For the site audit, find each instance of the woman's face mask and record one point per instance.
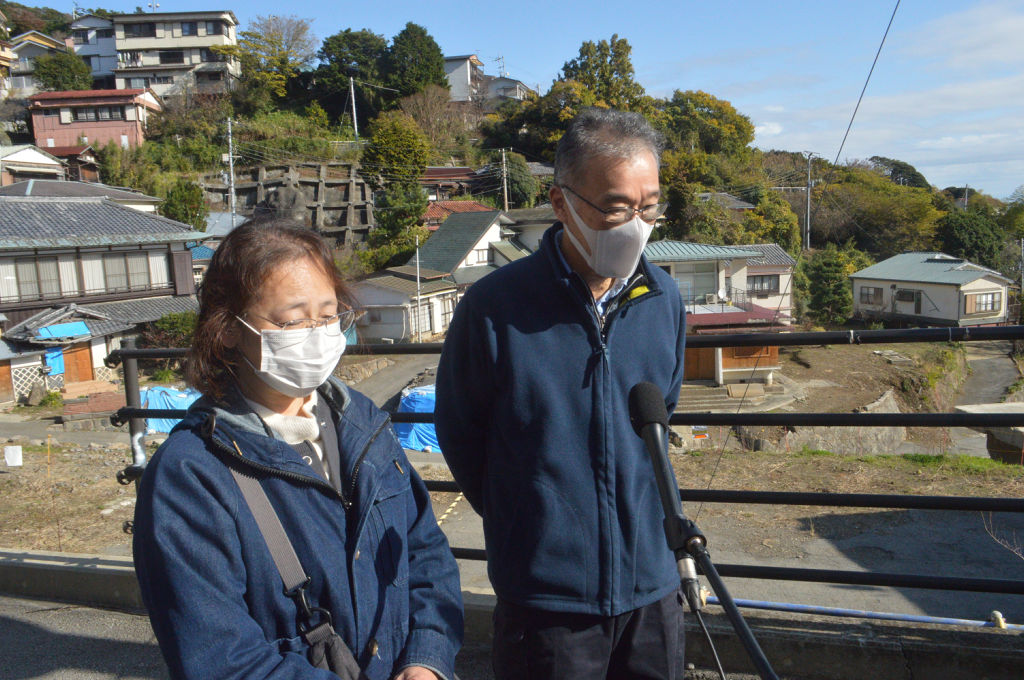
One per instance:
(297, 361)
(613, 253)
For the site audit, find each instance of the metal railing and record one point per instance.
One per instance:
(133, 414)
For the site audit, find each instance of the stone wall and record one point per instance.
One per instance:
(353, 373)
(842, 440)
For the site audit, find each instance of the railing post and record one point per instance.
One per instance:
(136, 426)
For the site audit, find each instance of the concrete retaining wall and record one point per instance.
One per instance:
(847, 440)
(351, 374)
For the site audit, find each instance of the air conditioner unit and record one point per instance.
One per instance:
(710, 299)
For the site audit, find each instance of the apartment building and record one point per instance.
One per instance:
(167, 52)
(6, 57)
(26, 48)
(94, 42)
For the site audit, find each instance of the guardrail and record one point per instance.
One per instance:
(133, 414)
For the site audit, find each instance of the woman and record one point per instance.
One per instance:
(273, 311)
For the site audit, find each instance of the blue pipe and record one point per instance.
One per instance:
(862, 614)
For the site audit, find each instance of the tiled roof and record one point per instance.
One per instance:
(221, 224)
(927, 268)
(450, 244)
(69, 222)
(439, 174)
(542, 214)
(468, 275)
(509, 250)
(771, 254)
(439, 210)
(97, 324)
(84, 94)
(541, 169)
(408, 270)
(10, 350)
(679, 251)
(68, 189)
(68, 150)
(407, 286)
(141, 310)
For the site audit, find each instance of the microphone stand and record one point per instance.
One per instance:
(687, 543)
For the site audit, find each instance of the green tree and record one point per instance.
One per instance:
(773, 221)
(900, 172)
(523, 187)
(400, 207)
(447, 125)
(414, 61)
(972, 236)
(697, 121)
(60, 71)
(185, 203)
(831, 298)
(398, 151)
(390, 251)
(170, 330)
(606, 69)
(356, 54)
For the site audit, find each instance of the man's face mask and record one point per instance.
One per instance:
(297, 361)
(613, 253)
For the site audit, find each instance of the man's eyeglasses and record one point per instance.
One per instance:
(622, 214)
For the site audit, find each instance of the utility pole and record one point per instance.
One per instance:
(231, 174)
(419, 334)
(504, 179)
(967, 192)
(352, 92)
(807, 219)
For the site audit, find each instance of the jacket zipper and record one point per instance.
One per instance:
(362, 455)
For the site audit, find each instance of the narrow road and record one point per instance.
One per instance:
(992, 372)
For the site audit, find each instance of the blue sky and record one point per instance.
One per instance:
(946, 96)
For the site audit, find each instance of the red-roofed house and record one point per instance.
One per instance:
(93, 117)
(81, 160)
(438, 211)
(443, 183)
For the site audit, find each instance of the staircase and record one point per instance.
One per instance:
(705, 397)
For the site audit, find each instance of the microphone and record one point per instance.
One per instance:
(649, 418)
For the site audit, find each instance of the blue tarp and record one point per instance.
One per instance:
(55, 360)
(417, 436)
(63, 330)
(165, 397)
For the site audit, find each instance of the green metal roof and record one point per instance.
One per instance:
(930, 267)
(679, 251)
(452, 241)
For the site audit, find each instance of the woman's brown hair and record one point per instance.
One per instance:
(240, 266)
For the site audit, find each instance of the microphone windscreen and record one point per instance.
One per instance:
(646, 406)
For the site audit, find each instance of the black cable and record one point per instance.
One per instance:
(711, 644)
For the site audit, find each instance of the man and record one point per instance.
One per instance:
(532, 418)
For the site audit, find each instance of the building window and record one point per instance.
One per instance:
(870, 296)
(189, 28)
(51, 113)
(214, 28)
(983, 303)
(163, 80)
(213, 77)
(208, 55)
(85, 113)
(115, 274)
(142, 30)
(81, 37)
(37, 278)
(110, 112)
(763, 283)
(138, 83)
(906, 295)
(88, 61)
(172, 57)
(104, 33)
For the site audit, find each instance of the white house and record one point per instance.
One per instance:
(398, 310)
(24, 162)
(94, 42)
(468, 246)
(930, 289)
(769, 278)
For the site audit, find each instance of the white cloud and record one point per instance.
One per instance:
(773, 108)
(767, 130)
(986, 35)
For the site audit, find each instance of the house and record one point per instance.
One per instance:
(21, 366)
(402, 304)
(27, 47)
(529, 224)
(76, 274)
(170, 52)
(465, 77)
(81, 162)
(712, 281)
(438, 211)
(7, 57)
(770, 279)
(96, 117)
(500, 88)
(441, 183)
(25, 162)
(930, 288)
(468, 246)
(42, 188)
(93, 38)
